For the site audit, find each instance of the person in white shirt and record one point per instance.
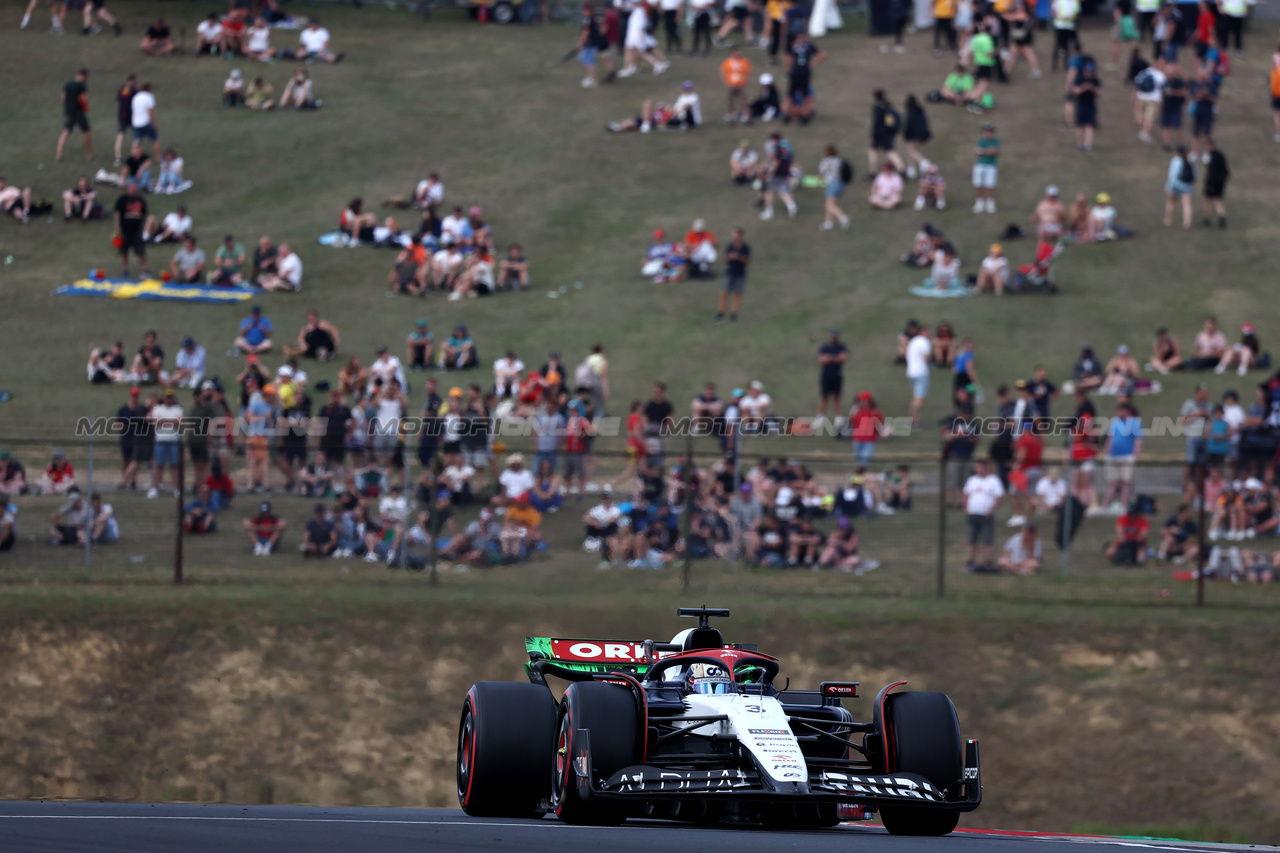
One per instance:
(517, 479)
(506, 374)
(143, 118)
(1065, 13)
(1148, 91)
(104, 529)
(919, 348)
(189, 365)
(174, 228)
(982, 493)
(744, 162)
(387, 368)
(315, 43)
(684, 114)
(1102, 220)
(166, 417)
(994, 271)
(946, 266)
(455, 227)
(429, 193)
(288, 274)
(258, 44)
(209, 35)
(1022, 552)
(755, 407)
(457, 476)
(1051, 491)
(639, 44)
(602, 523)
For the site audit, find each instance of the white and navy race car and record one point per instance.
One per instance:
(698, 730)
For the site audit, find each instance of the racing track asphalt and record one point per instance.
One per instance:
(44, 827)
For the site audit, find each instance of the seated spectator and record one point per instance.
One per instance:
(744, 163)
(474, 277)
(209, 35)
(1243, 355)
(260, 95)
(288, 275)
(1051, 491)
(1077, 217)
(957, 87)
(521, 531)
(171, 179)
(257, 43)
(15, 201)
(356, 224)
(1022, 552)
(1120, 374)
(841, 549)
(255, 333)
(602, 527)
(513, 270)
(408, 274)
(429, 193)
(103, 528)
(264, 530)
(148, 363)
(233, 30)
(945, 269)
(320, 536)
(506, 374)
(656, 256)
(676, 266)
(315, 43)
(756, 407)
(8, 522)
(159, 39)
(994, 271)
(701, 244)
(299, 92)
(71, 521)
(1166, 353)
(684, 114)
(200, 515)
(59, 476)
(804, 543)
(188, 365)
(81, 202)
(1087, 372)
(136, 166)
(13, 477)
(927, 241)
(1101, 224)
(317, 339)
(545, 493)
(767, 103)
(418, 346)
(459, 351)
(1259, 567)
(317, 479)
(228, 260)
(456, 228)
(188, 262)
(266, 259)
(1209, 347)
(932, 191)
(896, 489)
(353, 377)
(106, 365)
(1129, 548)
(174, 228)
(886, 189)
(1178, 537)
(233, 92)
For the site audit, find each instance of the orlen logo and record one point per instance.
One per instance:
(782, 758)
(597, 652)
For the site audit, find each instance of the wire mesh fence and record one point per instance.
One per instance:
(901, 527)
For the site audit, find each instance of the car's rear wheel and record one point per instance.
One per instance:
(506, 738)
(922, 736)
(610, 714)
(503, 13)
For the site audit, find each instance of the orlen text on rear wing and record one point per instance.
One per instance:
(581, 660)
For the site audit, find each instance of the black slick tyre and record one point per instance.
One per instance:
(610, 714)
(922, 736)
(506, 737)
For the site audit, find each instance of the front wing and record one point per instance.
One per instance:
(644, 783)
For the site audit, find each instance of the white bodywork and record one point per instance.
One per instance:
(759, 724)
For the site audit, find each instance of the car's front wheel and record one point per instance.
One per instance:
(505, 741)
(503, 12)
(922, 736)
(609, 713)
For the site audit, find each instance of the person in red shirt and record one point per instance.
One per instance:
(701, 245)
(865, 422)
(221, 487)
(264, 530)
(58, 477)
(636, 449)
(1084, 449)
(1129, 548)
(1206, 25)
(1028, 456)
(577, 430)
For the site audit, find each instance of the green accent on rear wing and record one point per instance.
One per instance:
(542, 649)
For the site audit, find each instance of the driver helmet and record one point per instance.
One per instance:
(708, 678)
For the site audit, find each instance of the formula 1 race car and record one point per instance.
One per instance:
(699, 730)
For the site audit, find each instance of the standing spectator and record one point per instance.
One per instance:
(982, 495)
(960, 440)
(255, 333)
(75, 113)
(982, 48)
(885, 125)
(735, 71)
(1065, 13)
(1123, 446)
(1173, 103)
(132, 418)
(264, 530)
(964, 372)
(1148, 89)
(1178, 187)
(1028, 456)
(592, 45)
(1085, 92)
(919, 350)
(259, 424)
(315, 43)
(833, 170)
(1204, 101)
(777, 176)
(657, 420)
(737, 256)
(865, 422)
(702, 11)
(671, 24)
(986, 170)
(1275, 97)
(1231, 16)
(124, 113)
(143, 112)
(1194, 420)
(205, 417)
(915, 132)
(1216, 174)
(166, 419)
(832, 356)
(802, 57)
(1022, 30)
(131, 216)
(548, 427)
(944, 25)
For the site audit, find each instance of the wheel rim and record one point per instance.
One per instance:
(466, 751)
(563, 765)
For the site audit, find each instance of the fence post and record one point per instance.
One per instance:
(1068, 512)
(182, 480)
(406, 455)
(689, 468)
(433, 519)
(942, 524)
(1200, 536)
(88, 532)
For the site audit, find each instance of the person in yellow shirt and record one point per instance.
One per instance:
(944, 25)
(735, 71)
(775, 12)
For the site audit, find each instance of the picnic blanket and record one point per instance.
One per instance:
(155, 289)
(384, 239)
(957, 288)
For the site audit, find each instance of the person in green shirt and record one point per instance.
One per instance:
(227, 262)
(983, 49)
(957, 86)
(986, 170)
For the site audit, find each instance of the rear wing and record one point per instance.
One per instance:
(582, 660)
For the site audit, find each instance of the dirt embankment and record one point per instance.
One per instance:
(1079, 723)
